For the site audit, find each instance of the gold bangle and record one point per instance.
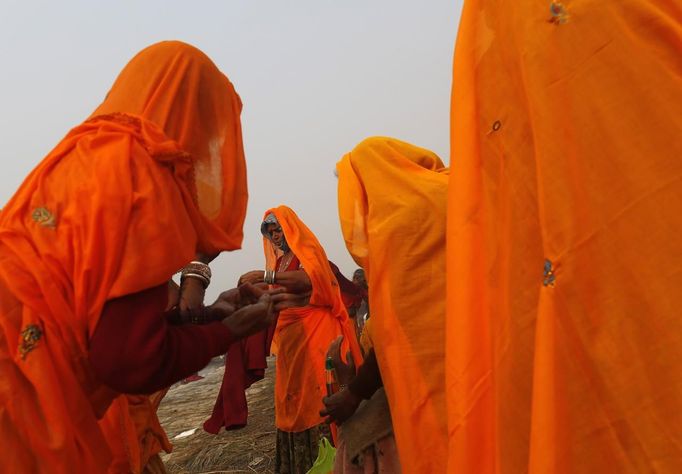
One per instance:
(204, 281)
(197, 269)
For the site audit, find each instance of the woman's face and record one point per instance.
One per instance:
(359, 279)
(276, 235)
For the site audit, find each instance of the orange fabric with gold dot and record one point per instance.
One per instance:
(564, 332)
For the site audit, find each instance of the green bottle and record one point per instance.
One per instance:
(330, 377)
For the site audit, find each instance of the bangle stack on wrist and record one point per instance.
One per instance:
(269, 277)
(197, 270)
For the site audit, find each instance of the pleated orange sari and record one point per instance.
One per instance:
(564, 238)
(303, 335)
(122, 202)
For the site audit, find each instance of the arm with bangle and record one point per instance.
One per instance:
(139, 347)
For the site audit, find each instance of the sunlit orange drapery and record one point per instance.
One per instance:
(133, 432)
(564, 333)
(120, 204)
(392, 205)
(303, 335)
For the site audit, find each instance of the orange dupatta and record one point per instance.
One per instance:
(303, 335)
(120, 204)
(564, 328)
(134, 432)
(392, 200)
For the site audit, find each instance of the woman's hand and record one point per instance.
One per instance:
(253, 277)
(252, 318)
(283, 300)
(251, 292)
(340, 406)
(295, 281)
(173, 295)
(344, 372)
(227, 303)
(192, 294)
(232, 300)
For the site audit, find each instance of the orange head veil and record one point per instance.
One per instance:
(179, 89)
(312, 256)
(392, 208)
(382, 169)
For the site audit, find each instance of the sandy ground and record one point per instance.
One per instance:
(186, 407)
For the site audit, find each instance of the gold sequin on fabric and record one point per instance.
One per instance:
(558, 13)
(44, 217)
(549, 276)
(29, 339)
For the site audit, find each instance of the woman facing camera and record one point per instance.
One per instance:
(311, 316)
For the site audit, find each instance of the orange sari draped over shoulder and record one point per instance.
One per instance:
(565, 237)
(303, 335)
(392, 203)
(123, 201)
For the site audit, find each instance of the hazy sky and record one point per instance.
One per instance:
(315, 76)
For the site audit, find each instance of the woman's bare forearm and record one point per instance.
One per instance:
(296, 281)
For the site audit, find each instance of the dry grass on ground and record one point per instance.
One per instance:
(186, 407)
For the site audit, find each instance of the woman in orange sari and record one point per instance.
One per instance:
(565, 237)
(155, 177)
(311, 316)
(392, 203)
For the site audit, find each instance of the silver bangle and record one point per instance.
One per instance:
(205, 281)
(197, 270)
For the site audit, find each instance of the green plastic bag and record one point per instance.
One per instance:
(326, 453)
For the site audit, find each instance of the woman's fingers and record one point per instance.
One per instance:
(289, 300)
(250, 292)
(254, 276)
(252, 318)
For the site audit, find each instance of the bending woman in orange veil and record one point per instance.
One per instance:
(311, 316)
(155, 177)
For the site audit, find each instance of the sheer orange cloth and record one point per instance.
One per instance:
(134, 433)
(303, 335)
(392, 204)
(564, 329)
(122, 202)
